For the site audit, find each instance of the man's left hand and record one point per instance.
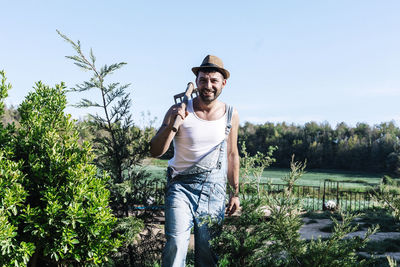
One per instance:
(233, 205)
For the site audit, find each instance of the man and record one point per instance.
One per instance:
(205, 155)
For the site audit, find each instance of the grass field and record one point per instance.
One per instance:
(311, 178)
(317, 177)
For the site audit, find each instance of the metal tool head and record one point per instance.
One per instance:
(178, 98)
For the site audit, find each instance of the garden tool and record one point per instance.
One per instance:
(183, 98)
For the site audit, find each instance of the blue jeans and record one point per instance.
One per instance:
(189, 202)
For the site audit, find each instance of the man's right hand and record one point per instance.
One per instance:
(178, 110)
(159, 144)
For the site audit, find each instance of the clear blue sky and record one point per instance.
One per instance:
(293, 61)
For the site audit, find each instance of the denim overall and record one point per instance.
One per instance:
(193, 196)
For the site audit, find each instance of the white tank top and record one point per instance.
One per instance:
(196, 137)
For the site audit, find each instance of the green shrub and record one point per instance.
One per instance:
(54, 205)
(389, 197)
(254, 239)
(14, 251)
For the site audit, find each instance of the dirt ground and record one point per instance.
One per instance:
(312, 230)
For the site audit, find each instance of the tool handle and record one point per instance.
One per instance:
(188, 93)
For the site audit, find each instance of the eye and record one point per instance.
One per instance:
(203, 80)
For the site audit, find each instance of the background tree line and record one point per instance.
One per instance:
(360, 148)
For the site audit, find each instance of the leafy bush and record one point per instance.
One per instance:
(251, 170)
(267, 234)
(14, 251)
(387, 193)
(54, 205)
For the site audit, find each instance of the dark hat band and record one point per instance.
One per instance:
(210, 65)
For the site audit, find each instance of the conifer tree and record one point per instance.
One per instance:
(120, 146)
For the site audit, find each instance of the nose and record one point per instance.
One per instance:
(209, 84)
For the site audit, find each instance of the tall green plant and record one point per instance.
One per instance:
(14, 251)
(4, 88)
(296, 171)
(120, 146)
(387, 194)
(252, 168)
(260, 238)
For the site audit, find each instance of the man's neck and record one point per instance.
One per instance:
(208, 111)
(200, 105)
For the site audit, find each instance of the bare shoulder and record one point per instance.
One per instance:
(235, 122)
(235, 113)
(233, 135)
(235, 116)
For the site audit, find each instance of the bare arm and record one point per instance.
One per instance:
(233, 165)
(159, 144)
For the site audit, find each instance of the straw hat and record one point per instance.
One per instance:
(212, 62)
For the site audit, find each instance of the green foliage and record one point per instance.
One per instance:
(387, 193)
(392, 262)
(252, 169)
(119, 145)
(393, 163)
(383, 246)
(361, 148)
(267, 234)
(113, 143)
(389, 181)
(381, 217)
(7, 132)
(54, 206)
(14, 251)
(242, 236)
(337, 250)
(4, 88)
(297, 170)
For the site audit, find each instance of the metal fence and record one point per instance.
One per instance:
(315, 197)
(312, 198)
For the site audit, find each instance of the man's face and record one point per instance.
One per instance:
(210, 85)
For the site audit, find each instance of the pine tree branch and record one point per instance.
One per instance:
(83, 87)
(85, 103)
(92, 57)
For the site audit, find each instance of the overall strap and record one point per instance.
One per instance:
(222, 148)
(228, 119)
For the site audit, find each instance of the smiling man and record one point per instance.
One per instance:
(205, 157)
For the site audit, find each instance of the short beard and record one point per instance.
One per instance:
(208, 100)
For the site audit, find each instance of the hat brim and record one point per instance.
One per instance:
(224, 72)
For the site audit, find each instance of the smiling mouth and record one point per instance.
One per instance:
(207, 92)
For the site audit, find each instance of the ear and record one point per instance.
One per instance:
(223, 83)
